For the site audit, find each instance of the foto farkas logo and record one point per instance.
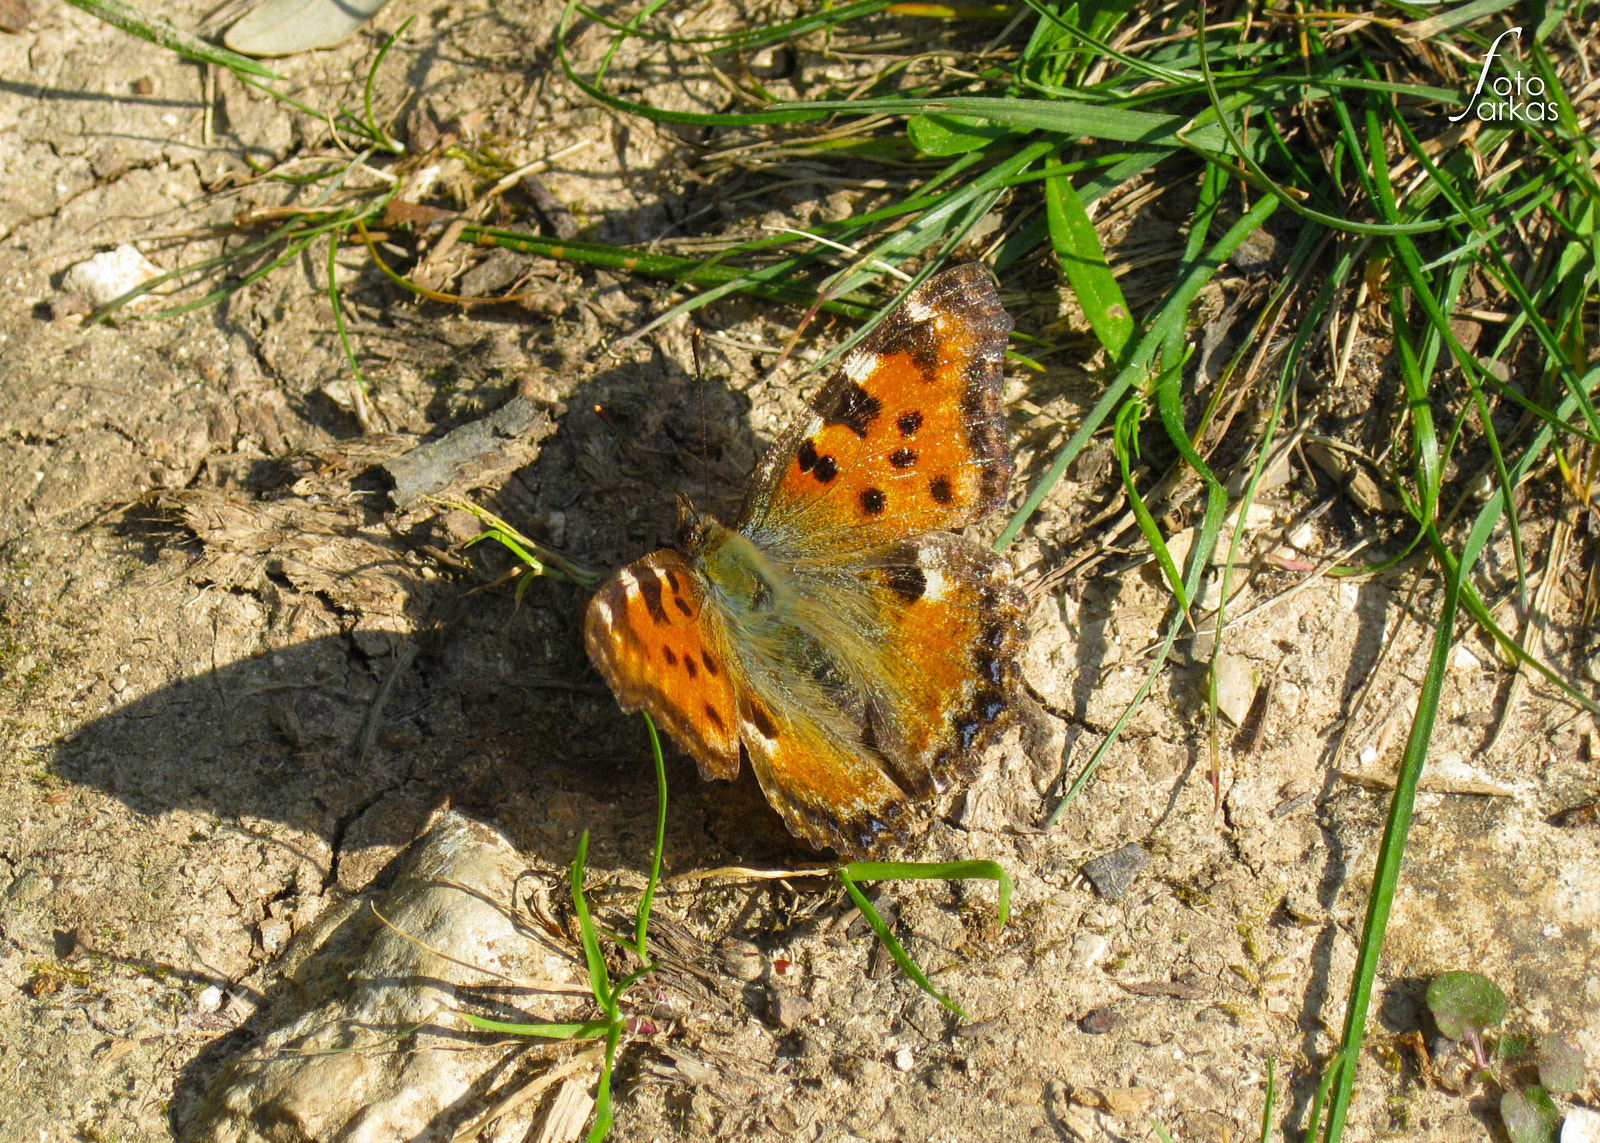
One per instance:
(1507, 98)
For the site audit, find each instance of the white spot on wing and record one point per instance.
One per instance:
(936, 583)
(917, 309)
(603, 610)
(751, 734)
(858, 367)
(629, 581)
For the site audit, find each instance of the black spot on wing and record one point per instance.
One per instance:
(873, 501)
(908, 582)
(683, 606)
(806, 458)
(710, 663)
(939, 488)
(856, 409)
(650, 588)
(902, 458)
(716, 718)
(826, 469)
(670, 656)
(909, 422)
(762, 721)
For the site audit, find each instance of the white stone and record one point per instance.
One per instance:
(111, 274)
(1236, 687)
(1088, 949)
(1581, 1126)
(1465, 660)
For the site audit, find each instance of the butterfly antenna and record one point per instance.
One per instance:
(705, 428)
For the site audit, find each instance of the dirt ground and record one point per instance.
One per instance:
(206, 744)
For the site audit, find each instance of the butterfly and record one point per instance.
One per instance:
(839, 636)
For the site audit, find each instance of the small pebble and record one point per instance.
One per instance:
(1236, 687)
(1112, 873)
(210, 999)
(1581, 1126)
(1465, 660)
(741, 960)
(108, 276)
(1088, 949)
(786, 1009)
(1100, 1021)
(903, 1059)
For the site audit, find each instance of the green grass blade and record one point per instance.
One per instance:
(592, 1030)
(155, 30)
(896, 950)
(1125, 443)
(1392, 849)
(602, 1094)
(938, 871)
(641, 923)
(338, 310)
(1269, 1099)
(599, 979)
(1083, 260)
(373, 129)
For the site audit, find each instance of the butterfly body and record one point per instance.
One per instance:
(857, 653)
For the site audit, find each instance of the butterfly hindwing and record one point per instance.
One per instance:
(659, 647)
(830, 790)
(952, 628)
(907, 437)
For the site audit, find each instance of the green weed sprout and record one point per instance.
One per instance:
(1526, 1070)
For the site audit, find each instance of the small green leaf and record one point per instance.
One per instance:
(1561, 1064)
(1083, 261)
(1464, 1003)
(1512, 1048)
(945, 135)
(1529, 1115)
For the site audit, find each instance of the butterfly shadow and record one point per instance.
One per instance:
(307, 755)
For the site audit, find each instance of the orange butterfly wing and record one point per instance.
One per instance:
(952, 624)
(659, 647)
(907, 437)
(828, 790)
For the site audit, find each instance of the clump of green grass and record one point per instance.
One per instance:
(1401, 220)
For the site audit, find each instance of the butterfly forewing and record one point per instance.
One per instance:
(649, 633)
(907, 437)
